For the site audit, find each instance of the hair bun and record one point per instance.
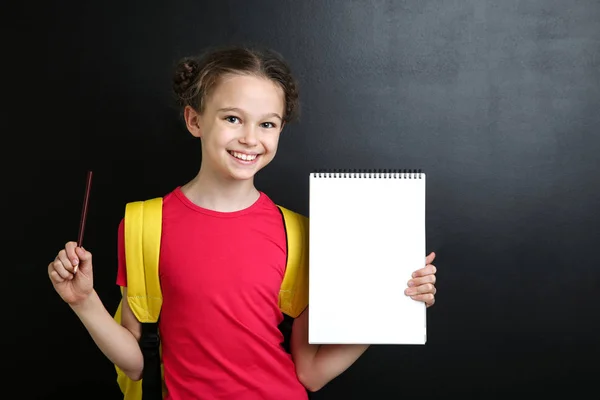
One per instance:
(185, 75)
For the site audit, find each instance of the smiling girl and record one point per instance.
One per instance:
(223, 251)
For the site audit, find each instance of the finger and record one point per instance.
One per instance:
(422, 280)
(426, 288)
(422, 289)
(428, 298)
(427, 270)
(60, 269)
(429, 259)
(65, 260)
(85, 258)
(70, 249)
(55, 277)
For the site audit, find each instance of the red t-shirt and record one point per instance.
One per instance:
(220, 276)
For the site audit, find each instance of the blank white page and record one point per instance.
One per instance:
(367, 236)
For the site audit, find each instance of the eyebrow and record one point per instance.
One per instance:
(227, 109)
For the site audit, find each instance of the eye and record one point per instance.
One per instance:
(268, 125)
(232, 119)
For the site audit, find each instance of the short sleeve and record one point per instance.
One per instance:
(122, 267)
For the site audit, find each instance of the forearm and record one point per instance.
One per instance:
(317, 365)
(330, 361)
(116, 342)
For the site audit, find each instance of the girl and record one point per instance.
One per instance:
(223, 251)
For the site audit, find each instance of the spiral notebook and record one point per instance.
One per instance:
(367, 236)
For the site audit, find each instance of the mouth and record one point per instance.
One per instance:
(243, 157)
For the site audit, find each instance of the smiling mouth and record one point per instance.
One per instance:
(243, 157)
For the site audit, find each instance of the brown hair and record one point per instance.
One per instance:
(195, 77)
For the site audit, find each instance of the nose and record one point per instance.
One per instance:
(249, 136)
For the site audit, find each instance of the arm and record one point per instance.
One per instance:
(119, 343)
(317, 365)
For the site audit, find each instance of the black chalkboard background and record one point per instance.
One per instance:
(497, 101)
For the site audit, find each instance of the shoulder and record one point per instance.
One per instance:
(165, 199)
(294, 224)
(281, 209)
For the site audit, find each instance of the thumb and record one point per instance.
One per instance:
(429, 259)
(85, 259)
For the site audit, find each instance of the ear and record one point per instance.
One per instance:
(192, 121)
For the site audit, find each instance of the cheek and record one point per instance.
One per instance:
(271, 143)
(221, 138)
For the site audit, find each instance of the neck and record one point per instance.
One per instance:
(211, 192)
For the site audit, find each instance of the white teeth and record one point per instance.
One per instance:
(245, 157)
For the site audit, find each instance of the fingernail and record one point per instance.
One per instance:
(411, 283)
(75, 262)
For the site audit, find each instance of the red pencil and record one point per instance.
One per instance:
(86, 200)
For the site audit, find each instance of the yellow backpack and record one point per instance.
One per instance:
(143, 225)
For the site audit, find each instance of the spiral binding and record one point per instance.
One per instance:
(369, 173)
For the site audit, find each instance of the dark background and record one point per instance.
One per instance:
(497, 101)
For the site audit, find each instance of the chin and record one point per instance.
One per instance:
(243, 175)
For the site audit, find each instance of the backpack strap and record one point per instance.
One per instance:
(143, 228)
(293, 294)
(143, 225)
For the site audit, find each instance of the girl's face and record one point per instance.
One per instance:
(240, 126)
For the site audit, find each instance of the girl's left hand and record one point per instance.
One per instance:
(422, 285)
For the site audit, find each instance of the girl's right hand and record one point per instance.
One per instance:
(71, 274)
